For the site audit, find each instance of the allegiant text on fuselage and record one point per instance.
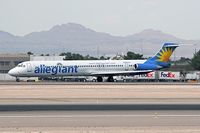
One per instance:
(42, 69)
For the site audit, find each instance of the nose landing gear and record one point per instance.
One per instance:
(17, 79)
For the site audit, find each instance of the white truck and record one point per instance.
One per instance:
(169, 76)
(192, 76)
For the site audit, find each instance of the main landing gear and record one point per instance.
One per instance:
(110, 79)
(100, 79)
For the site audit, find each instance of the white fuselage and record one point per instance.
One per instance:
(73, 68)
(97, 68)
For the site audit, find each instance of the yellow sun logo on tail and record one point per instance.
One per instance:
(165, 54)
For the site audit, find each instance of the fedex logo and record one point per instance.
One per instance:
(167, 74)
(148, 75)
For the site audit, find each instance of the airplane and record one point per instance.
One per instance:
(96, 68)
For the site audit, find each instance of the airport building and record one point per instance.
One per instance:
(46, 58)
(9, 61)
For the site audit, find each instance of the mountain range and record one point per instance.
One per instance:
(76, 38)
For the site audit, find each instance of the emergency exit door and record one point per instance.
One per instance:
(29, 67)
(126, 64)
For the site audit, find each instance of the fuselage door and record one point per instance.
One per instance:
(29, 67)
(126, 64)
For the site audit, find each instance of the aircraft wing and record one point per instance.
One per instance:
(113, 73)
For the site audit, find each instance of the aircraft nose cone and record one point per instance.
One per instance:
(12, 72)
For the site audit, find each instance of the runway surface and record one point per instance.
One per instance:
(25, 93)
(87, 120)
(88, 107)
(97, 107)
(99, 118)
(95, 83)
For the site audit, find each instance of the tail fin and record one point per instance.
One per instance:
(164, 54)
(160, 60)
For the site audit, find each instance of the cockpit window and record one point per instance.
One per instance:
(21, 65)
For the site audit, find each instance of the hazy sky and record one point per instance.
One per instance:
(117, 17)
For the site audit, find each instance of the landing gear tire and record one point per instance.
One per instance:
(17, 80)
(110, 79)
(99, 79)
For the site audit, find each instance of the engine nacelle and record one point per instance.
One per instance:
(147, 66)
